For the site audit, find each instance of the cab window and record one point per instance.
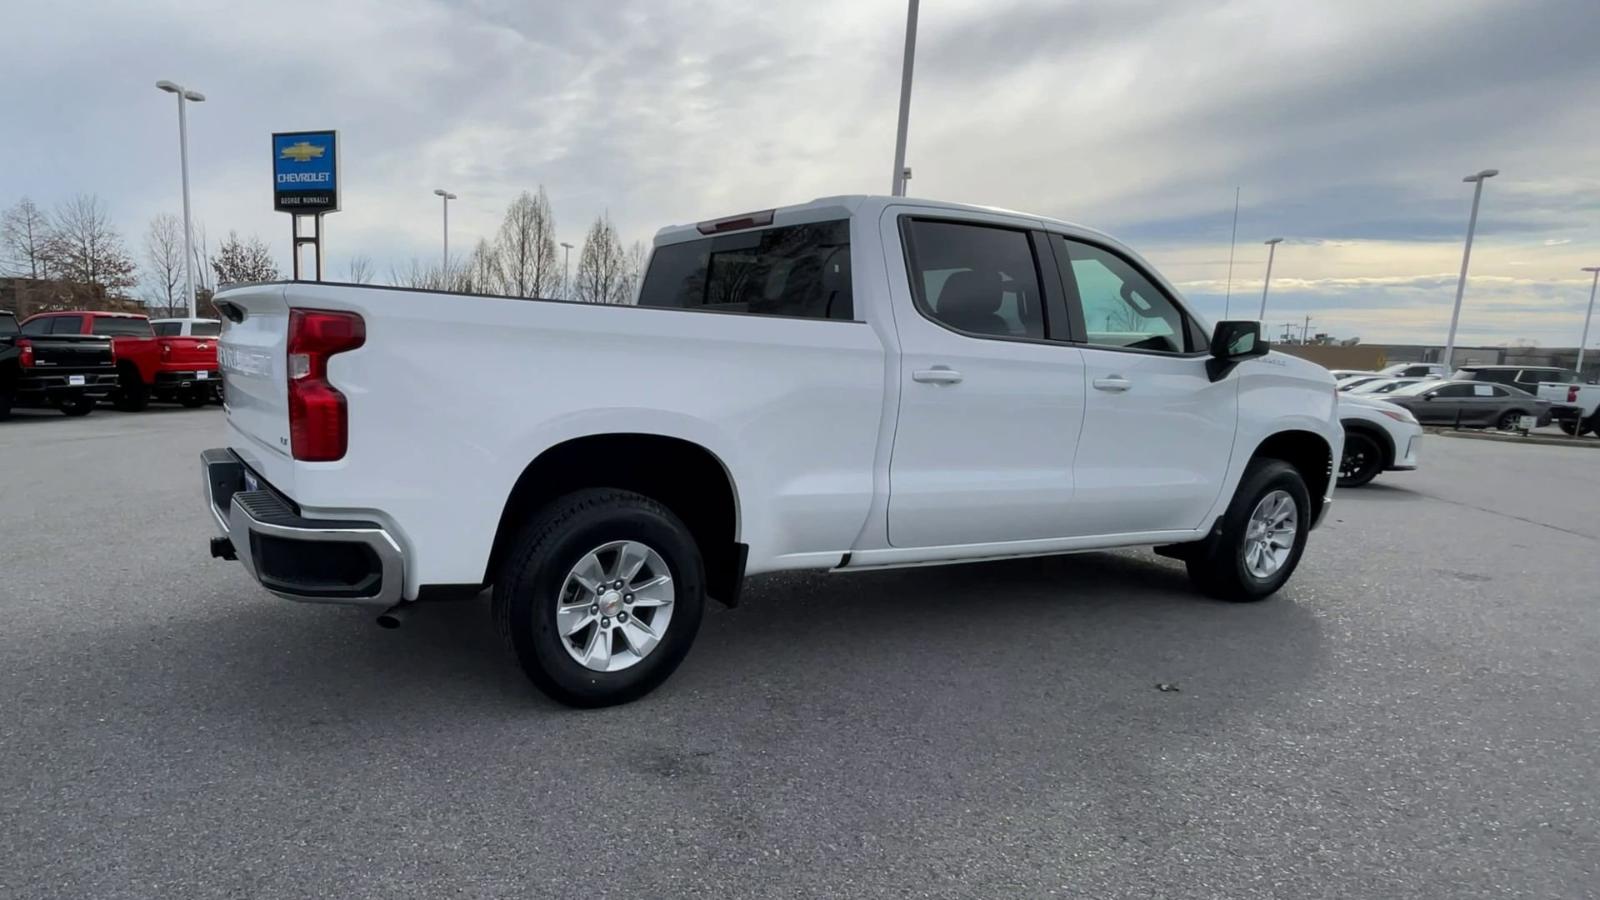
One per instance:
(1121, 307)
(974, 278)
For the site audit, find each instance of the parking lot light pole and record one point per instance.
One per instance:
(1272, 249)
(183, 162)
(566, 271)
(1584, 341)
(1466, 254)
(445, 196)
(899, 184)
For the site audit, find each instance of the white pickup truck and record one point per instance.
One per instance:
(852, 383)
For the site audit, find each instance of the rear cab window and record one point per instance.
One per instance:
(205, 329)
(799, 271)
(119, 326)
(167, 329)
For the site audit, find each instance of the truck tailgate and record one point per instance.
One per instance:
(71, 352)
(188, 353)
(252, 352)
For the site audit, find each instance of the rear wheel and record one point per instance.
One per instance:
(1573, 429)
(1362, 460)
(1259, 539)
(133, 395)
(5, 404)
(600, 597)
(1510, 421)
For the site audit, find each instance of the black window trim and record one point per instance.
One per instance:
(1191, 330)
(920, 303)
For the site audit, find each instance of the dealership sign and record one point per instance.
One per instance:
(305, 172)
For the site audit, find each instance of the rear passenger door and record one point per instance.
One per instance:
(990, 406)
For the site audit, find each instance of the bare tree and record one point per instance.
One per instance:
(163, 254)
(482, 273)
(421, 276)
(24, 241)
(633, 271)
(241, 261)
(85, 248)
(360, 269)
(602, 275)
(527, 247)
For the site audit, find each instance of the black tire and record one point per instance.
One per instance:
(193, 400)
(529, 582)
(133, 395)
(1362, 460)
(1572, 429)
(1508, 421)
(6, 399)
(80, 406)
(1218, 569)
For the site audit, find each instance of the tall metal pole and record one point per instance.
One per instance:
(1466, 255)
(1272, 249)
(1584, 341)
(1305, 333)
(188, 231)
(1227, 298)
(446, 197)
(899, 188)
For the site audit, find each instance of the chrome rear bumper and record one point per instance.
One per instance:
(347, 561)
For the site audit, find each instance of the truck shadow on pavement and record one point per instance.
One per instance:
(1083, 634)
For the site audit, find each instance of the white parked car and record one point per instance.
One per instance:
(1414, 370)
(1384, 385)
(849, 384)
(1378, 437)
(1343, 375)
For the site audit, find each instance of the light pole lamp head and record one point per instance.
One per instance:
(1486, 173)
(169, 87)
(1595, 269)
(194, 96)
(444, 193)
(1270, 241)
(566, 245)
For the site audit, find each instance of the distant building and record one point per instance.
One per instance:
(26, 296)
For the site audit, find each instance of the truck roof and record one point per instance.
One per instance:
(88, 312)
(843, 206)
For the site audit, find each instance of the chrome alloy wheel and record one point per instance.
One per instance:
(615, 606)
(1269, 535)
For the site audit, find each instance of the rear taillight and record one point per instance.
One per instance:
(319, 428)
(26, 358)
(1572, 393)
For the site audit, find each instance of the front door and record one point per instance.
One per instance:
(990, 407)
(1158, 432)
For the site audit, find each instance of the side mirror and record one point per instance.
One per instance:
(1237, 340)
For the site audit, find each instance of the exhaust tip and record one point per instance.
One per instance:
(395, 616)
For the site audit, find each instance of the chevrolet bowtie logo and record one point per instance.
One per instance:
(302, 152)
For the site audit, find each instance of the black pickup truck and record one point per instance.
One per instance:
(71, 372)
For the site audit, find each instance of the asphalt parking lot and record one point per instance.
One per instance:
(1416, 715)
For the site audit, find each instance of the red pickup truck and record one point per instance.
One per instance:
(180, 368)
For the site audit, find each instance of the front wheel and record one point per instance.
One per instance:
(1260, 538)
(1362, 460)
(600, 597)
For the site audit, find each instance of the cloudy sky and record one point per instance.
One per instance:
(1347, 125)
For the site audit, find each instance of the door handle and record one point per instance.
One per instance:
(937, 375)
(1115, 383)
